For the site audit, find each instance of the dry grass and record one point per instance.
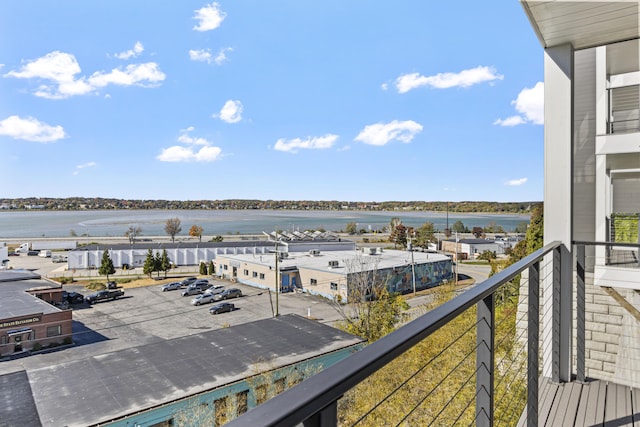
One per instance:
(134, 283)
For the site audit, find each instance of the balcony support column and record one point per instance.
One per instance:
(328, 417)
(485, 361)
(533, 345)
(580, 317)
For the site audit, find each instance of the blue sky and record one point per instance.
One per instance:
(293, 100)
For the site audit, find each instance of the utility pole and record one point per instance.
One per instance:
(457, 260)
(413, 268)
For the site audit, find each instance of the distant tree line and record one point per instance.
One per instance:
(98, 203)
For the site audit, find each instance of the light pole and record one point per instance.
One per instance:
(277, 284)
(413, 268)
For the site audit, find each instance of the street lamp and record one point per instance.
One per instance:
(413, 268)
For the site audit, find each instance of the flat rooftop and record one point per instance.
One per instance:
(14, 299)
(348, 261)
(103, 387)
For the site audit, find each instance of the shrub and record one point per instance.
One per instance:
(67, 340)
(63, 280)
(37, 347)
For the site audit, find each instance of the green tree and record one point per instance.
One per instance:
(521, 227)
(487, 256)
(106, 265)
(478, 232)
(196, 231)
(458, 227)
(132, 233)
(157, 262)
(149, 263)
(351, 228)
(217, 239)
(212, 269)
(535, 231)
(425, 235)
(203, 269)
(165, 262)
(172, 227)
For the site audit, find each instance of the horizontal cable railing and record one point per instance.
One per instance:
(488, 350)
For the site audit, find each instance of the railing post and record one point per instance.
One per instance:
(580, 318)
(562, 316)
(485, 361)
(533, 342)
(327, 417)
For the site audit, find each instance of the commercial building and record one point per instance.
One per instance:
(334, 274)
(201, 379)
(29, 318)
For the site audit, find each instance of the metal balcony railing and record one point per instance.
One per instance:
(502, 341)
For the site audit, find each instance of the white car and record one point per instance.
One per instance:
(202, 299)
(215, 289)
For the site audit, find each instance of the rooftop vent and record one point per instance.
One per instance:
(333, 264)
(314, 252)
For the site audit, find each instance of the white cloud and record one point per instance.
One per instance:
(384, 86)
(383, 133)
(209, 17)
(310, 143)
(30, 129)
(510, 121)
(231, 112)
(59, 69)
(138, 48)
(221, 57)
(83, 166)
(464, 78)
(190, 153)
(516, 182)
(202, 55)
(530, 105)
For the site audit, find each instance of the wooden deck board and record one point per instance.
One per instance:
(595, 403)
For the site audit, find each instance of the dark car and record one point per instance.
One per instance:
(14, 253)
(106, 294)
(223, 307)
(72, 297)
(228, 294)
(33, 253)
(186, 282)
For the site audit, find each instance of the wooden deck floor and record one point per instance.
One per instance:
(594, 403)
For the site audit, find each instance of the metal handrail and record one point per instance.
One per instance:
(321, 391)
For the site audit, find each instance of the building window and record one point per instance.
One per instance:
(255, 274)
(226, 267)
(314, 282)
(261, 394)
(3, 340)
(54, 331)
(242, 402)
(220, 406)
(246, 272)
(261, 276)
(334, 286)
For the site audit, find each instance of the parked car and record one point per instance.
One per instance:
(173, 286)
(215, 289)
(223, 307)
(103, 295)
(59, 258)
(14, 253)
(186, 282)
(195, 288)
(72, 297)
(228, 294)
(203, 299)
(111, 285)
(33, 253)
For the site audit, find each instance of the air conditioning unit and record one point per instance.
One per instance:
(314, 252)
(372, 251)
(333, 264)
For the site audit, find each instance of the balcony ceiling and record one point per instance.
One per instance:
(584, 24)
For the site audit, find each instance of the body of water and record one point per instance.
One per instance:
(117, 222)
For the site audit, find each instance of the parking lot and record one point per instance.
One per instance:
(147, 314)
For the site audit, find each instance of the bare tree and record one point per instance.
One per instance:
(172, 228)
(132, 233)
(372, 311)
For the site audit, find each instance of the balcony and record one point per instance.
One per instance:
(512, 362)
